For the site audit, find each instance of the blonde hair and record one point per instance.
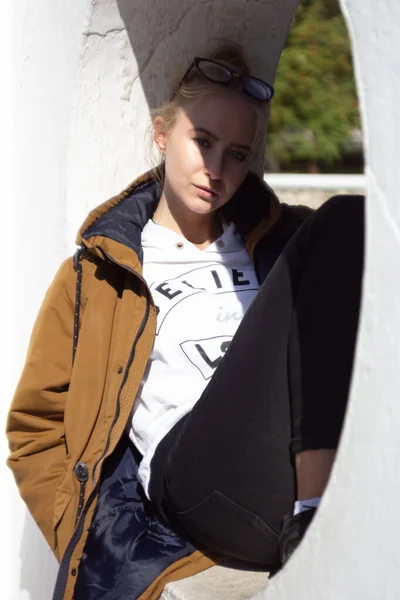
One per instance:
(230, 55)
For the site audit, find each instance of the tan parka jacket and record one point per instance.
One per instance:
(66, 418)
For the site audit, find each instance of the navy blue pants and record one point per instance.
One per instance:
(225, 472)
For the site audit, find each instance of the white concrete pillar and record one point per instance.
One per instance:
(10, 548)
(46, 50)
(86, 74)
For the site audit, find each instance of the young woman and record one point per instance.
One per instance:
(188, 373)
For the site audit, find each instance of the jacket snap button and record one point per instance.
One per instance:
(73, 572)
(81, 471)
(120, 369)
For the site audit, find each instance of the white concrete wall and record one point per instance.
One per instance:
(46, 48)
(80, 115)
(86, 73)
(352, 550)
(313, 190)
(131, 51)
(6, 105)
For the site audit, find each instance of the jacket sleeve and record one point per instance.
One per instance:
(35, 425)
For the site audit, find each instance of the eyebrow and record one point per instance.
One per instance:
(216, 138)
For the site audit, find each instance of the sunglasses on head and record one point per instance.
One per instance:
(217, 73)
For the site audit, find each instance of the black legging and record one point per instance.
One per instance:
(225, 472)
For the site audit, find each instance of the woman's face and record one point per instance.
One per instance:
(207, 151)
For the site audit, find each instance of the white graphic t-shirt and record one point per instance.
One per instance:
(201, 297)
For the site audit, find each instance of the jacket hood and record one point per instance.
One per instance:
(123, 217)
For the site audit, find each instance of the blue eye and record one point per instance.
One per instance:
(238, 155)
(202, 142)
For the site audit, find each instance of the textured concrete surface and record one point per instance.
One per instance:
(313, 190)
(217, 583)
(84, 73)
(312, 198)
(132, 52)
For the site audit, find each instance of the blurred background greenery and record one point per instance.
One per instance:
(315, 125)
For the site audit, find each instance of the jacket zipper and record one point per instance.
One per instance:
(128, 366)
(63, 571)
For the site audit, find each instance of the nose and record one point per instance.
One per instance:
(214, 166)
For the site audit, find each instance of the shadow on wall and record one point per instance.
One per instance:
(166, 34)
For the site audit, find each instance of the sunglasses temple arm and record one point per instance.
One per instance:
(187, 73)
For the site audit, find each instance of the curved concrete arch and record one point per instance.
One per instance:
(86, 75)
(351, 550)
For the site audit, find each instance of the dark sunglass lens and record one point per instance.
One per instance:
(257, 88)
(214, 71)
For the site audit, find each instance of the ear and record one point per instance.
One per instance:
(160, 134)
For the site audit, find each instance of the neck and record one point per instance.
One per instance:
(200, 230)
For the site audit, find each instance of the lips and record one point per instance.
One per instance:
(206, 190)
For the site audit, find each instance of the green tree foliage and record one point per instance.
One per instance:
(315, 106)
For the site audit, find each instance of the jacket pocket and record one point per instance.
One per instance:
(63, 496)
(63, 499)
(225, 527)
